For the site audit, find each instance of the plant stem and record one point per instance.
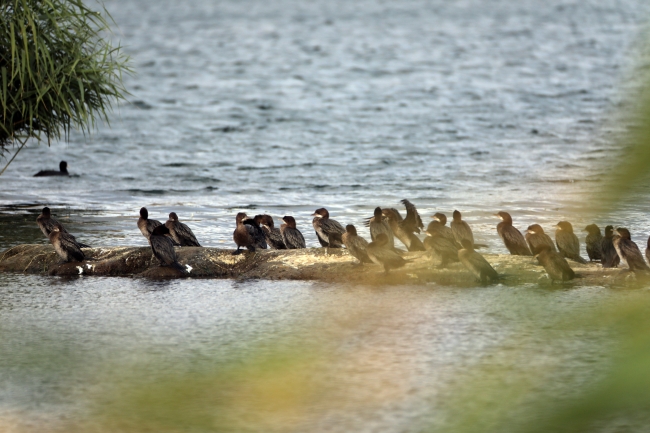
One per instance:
(12, 158)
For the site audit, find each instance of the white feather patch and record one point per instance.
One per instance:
(189, 268)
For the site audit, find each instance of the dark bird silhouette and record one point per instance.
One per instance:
(555, 264)
(258, 233)
(567, 242)
(291, 236)
(163, 248)
(47, 223)
(609, 255)
(244, 234)
(180, 233)
(378, 224)
(272, 235)
(403, 232)
(512, 238)
(444, 248)
(439, 224)
(593, 242)
(476, 263)
(145, 224)
(629, 251)
(380, 254)
(355, 244)
(63, 171)
(536, 239)
(460, 229)
(328, 231)
(412, 223)
(66, 246)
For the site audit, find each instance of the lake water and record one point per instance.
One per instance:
(283, 107)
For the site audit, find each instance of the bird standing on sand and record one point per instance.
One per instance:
(380, 254)
(555, 264)
(512, 238)
(441, 227)
(272, 235)
(536, 238)
(443, 247)
(180, 232)
(609, 255)
(66, 246)
(593, 241)
(629, 251)
(476, 263)
(378, 224)
(328, 231)
(163, 248)
(567, 242)
(355, 244)
(63, 171)
(291, 236)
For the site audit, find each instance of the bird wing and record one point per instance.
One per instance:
(412, 222)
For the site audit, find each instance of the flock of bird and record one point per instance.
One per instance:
(447, 244)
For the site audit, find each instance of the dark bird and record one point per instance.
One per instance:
(555, 264)
(403, 231)
(180, 233)
(512, 238)
(609, 255)
(46, 223)
(63, 171)
(244, 234)
(536, 239)
(328, 231)
(629, 251)
(291, 236)
(380, 254)
(258, 234)
(593, 241)
(355, 244)
(412, 223)
(272, 235)
(460, 229)
(378, 224)
(145, 224)
(446, 249)
(476, 263)
(567, 242)
(66, 246)
(163, 248)
(441, 227)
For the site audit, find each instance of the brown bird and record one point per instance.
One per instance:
(272, 235)
(609, 255)
(66, 246)
(536, 238)
(555, 264)
(567, 242)
(180, 233)
(460, 229)
(629, 251)
(47, 223)
(291, 236)
(380, 254)
(402, 228)
(593, 241)
(145, 224)
(328, 231)
(512, 238)
(446, 249)
(476, 263)
(163, 248)
(355, 244)
(378, 224)
(245, 234)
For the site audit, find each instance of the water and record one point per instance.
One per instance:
(283, 107)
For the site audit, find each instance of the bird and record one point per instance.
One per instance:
(328, 231)
(439, 224)
(63, 171)
(180, 232)
(46, 223)
(380, 254)
(476, 263)
(378, 224)
(629, 251)
(609, 255)
(66, 246)
(555, 264)
(567, 242)
(272, 235)
(145, 224)
(536, 238)
(258, 233)
(355, 244)
(291, 236)
(163, 248)
(244, 234)
(460, 229)
(593, 241)
(404, 229)
(512, 238)
(443, 247)
(412, 222)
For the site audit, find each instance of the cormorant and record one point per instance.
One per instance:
(593, 241)
(405, 229)
(258, 234)
(163, 248)
(244, 234)
(145, 224)
(180, 232)
(380, 254)
(476, 263)
(536, 238)
(555, 264)
(46, 223)
(66, 246)
(355, 244)
(272, 235)
(63, 171)
(629, 251)
(291, 236)
(378, 224)
(609, 255)
(443, 247)
(328, 231)
(460, 229)
(512, 238)
(567, 242)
